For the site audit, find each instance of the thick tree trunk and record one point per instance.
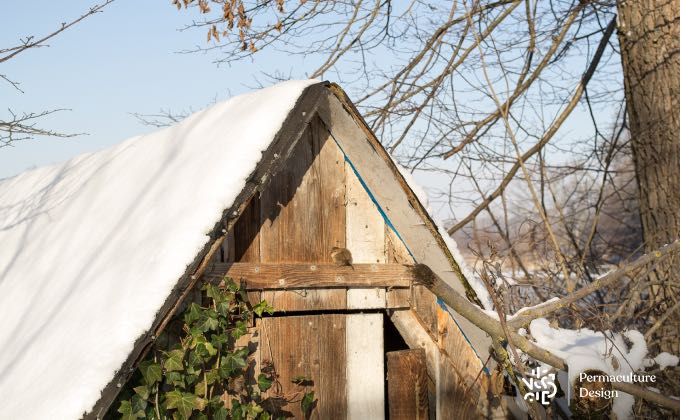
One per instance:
(649, 35)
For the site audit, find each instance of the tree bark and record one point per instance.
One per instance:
(649, 36)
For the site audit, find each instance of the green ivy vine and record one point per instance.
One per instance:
(196, 371)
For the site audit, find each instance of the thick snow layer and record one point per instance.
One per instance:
(90, 249)
(586, 349)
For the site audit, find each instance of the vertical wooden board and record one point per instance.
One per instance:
(454, 345)
(454, 402)
(290, 209)
(331, 387)
(365, 367)
(396, 252)
(312, 346)
(246, 238)
(365, 239)
(425, 305)
(365, 225)
(303, 216)
(395, 249)
(290, 344)
(228, 253)
(407, 385)
(398, 298)
(360, 298)
(330, 164)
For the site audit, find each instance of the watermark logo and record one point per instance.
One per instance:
(541, 386)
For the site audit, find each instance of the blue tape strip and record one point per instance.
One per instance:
(388, 222)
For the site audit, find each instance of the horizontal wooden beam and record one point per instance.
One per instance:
(259, 276)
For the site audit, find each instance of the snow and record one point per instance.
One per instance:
(666, 359)
(91, 248)
(586, 349)
(539, 306)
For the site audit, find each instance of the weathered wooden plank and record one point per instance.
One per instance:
(451, 341)
(365, 239)
(246, 238)
(395, 250)
(330, 164)
(301, 275)
(398, 298)
(365, 367)
(416, 337)
(290, 209)
(425, 305)
(331, 387)
(407, 385)
(295, 224)
(307, 346)
(306, 299)
(455, 402)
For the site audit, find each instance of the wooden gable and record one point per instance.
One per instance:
(314, 203)
(325, 182)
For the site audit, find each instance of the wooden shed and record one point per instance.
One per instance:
(374, 344)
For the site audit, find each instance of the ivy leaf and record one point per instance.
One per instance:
(230, 285)
(138, 404)
(233, 361)
(253, 409)
(143, 391)
(214, 292)
(263, 382)
(219, 340)
(182, 401)
(151, 371)
(127, 411)
(239, 330)
(307, 402)
(220, 413)
(199, 390)
(262, 307)
(192, 314)
(175, 379)
(265, 416)
(209, 322)
(174, 360)
(223, 308)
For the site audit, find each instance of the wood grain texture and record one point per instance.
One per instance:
(246, 237)
(450, 341)
(330, 165)
(312, 346)
(305, 275)
(407, 385)
(365, 239)
(365, 367)
(302, 216)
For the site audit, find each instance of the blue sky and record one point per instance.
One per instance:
(125, 60)
(120, 61)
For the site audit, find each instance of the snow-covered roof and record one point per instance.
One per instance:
(91, 248)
